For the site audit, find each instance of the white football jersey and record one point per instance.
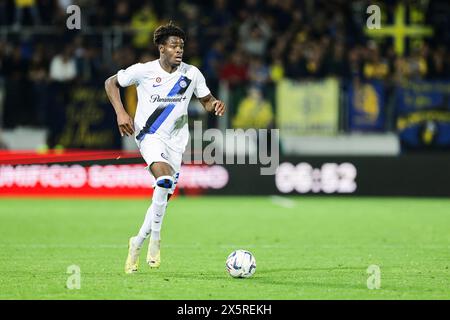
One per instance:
(163, 99)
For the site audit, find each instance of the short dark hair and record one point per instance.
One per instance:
(165, 31)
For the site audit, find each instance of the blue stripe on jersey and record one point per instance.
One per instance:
(177, 88)
(163, 116)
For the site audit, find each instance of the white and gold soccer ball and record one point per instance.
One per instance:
(241, 264)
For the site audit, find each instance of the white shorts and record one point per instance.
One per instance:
(154, 149)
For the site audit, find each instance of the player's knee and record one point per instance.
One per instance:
(165, 182)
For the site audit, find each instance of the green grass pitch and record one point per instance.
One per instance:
(305, 248)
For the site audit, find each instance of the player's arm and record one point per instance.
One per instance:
(212, 104)
(124, 121)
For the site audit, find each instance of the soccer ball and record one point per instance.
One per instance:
(241, 264)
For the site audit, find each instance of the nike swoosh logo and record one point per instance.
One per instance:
(157, 85)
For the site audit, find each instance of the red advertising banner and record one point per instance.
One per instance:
(75, 180)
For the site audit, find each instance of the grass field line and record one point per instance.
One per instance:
(232, 245)
(283, 202)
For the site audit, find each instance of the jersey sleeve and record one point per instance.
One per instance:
(131, 75)
(201, 89)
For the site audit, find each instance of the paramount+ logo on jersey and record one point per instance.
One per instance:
(157, 98)
(175, 95)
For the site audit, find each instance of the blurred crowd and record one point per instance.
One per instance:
(251, 43)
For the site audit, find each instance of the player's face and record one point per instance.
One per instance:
(173, 50)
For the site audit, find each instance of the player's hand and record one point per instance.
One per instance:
(125, 123)
(219, 107)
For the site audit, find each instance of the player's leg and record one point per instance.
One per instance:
(164, 186)
(164, 176)
(146, 227)
(151, 150)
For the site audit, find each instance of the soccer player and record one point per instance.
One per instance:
(164, 88)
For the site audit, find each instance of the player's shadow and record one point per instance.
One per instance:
(298, 269)
(304, 279)
(192, 275)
